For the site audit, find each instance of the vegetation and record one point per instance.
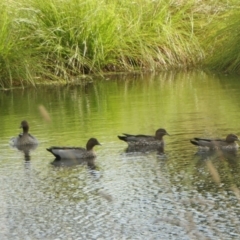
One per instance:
(64, 39)
(225, 43)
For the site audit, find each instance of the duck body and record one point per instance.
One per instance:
(24, 138)
(75, 152)
(71, 152)
(228, 143)
(145, 140)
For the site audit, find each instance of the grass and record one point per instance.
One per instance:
(224, 46)
(61, 40)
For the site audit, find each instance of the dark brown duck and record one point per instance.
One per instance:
(24, 138)
(145, 140)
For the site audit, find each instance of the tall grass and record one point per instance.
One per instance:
(90, 36)
(9, 57)
(224, 47)
(63, 39)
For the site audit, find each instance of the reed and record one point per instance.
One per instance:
(224, 45)
(63, 39)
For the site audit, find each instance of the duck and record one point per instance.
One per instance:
(75, 152)
(228, 143)
(24, 138)
(145, 140)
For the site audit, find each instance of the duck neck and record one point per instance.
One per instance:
(159, 137)
(25, 130)
(230, 139)
(89, 147)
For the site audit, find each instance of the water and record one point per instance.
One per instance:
(176, 195)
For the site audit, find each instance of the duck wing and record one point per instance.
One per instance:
(31, 136)
(135, 138)
(204, 142)
(67, 152)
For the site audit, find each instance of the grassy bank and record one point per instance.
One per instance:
(63, 39)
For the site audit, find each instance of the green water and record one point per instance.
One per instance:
(178, 195)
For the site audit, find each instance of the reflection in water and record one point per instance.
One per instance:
(26, 149)
(217, 167)
(218, 154)
(70, 162)
(145, 149)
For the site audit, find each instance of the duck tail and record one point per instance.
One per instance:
(123, 138)
(194, 142)
(49, 149)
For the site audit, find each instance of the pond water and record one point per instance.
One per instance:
(180, 194)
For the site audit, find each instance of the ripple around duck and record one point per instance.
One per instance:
(132, 197)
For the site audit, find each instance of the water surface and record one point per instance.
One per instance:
(119, 195)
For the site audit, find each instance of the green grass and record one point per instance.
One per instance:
(61, 40)
(224, 45)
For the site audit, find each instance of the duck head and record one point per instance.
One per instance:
(231, 138)
(91, 143)
(160, 133)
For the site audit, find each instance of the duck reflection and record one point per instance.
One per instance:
(26, 149)
(220, 155)
(70, 162)
(215, 168)
(146, 149)
(231, 155)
